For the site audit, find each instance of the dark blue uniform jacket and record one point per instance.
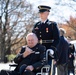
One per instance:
(47, 31)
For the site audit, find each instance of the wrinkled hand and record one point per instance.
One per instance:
(55, 62)
(70, 56)
(27, 52)
(30, 67)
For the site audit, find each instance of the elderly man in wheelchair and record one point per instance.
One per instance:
(31, 59)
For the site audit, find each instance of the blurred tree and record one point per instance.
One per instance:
(70, 28)
(16, 20)
(72, 24)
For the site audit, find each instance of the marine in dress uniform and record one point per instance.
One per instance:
(47, 32)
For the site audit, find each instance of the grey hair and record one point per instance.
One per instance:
(31, 34)
(62, 30)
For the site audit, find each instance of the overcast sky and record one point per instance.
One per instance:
(61, 9)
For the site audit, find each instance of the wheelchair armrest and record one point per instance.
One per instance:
(13, 65)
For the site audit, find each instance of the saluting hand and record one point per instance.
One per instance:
(27, 52)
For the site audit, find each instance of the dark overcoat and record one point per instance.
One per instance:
(62, 49)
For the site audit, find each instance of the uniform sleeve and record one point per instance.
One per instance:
(19, 56)
(33, 30)
(42, 60)
(55, 35)
(56, 39)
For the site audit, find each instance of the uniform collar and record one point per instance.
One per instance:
(44, 21)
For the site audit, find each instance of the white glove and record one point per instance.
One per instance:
(51, 52)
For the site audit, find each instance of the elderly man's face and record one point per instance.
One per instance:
(32, 41)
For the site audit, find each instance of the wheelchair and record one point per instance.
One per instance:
(45, 70)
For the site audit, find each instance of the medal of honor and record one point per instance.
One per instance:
(47, 30)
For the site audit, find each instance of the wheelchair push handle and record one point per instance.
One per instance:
(49, 52)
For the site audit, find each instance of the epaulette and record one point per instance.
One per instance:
(38, 23)
(50, 22)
